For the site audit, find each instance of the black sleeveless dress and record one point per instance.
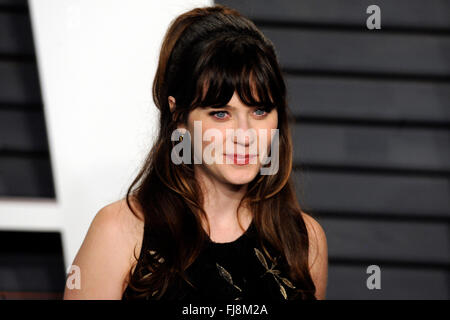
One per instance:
(232, 271)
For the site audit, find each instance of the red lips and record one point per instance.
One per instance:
(241, 160)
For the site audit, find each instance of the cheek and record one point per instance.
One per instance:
(209, 141)
(207, 136)
(274, 120)
(271, 124)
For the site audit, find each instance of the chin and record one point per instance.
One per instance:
(238, 177)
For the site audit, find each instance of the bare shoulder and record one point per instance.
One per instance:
(318, 254)
(120, 215)
(106, 254)
(317, 237)
(314, 228)
(126, 223)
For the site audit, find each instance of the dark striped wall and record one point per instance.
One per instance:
(372, 136)
(25, 169)
(31, 263)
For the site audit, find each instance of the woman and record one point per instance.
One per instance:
(198, 229)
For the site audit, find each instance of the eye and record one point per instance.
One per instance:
(219, 114)
(262, 113)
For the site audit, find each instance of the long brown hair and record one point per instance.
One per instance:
(207, 54)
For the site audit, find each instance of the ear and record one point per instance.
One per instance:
(172, 108)
(171, 103)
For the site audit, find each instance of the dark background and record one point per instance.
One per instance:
(371, 141)
(372, 136)
(31, 263)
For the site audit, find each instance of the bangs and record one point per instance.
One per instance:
(234, 65)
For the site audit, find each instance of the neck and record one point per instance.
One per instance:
(221, 202)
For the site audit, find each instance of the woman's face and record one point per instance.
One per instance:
(226, 141)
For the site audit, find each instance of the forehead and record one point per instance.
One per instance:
(235, 101)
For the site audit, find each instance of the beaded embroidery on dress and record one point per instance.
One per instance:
(232, 271)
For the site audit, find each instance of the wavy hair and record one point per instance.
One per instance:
(206, 55)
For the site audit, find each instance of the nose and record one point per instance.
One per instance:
(243, 135)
